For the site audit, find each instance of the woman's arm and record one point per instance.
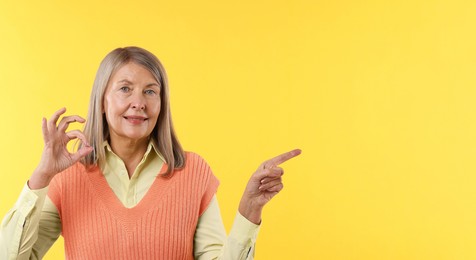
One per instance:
(211, 241)
(30, 227)
(263, 185)
(56, 157)
(23, 225)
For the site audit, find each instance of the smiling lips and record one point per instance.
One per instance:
(135, 120)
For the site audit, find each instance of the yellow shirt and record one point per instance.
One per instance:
(32, 226)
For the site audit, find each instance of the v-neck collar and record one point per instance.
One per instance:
(156, 193)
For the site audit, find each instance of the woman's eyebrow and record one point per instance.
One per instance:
(124, 81)
(130, 83)
(153, 84)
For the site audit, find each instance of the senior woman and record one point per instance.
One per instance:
(130, 191)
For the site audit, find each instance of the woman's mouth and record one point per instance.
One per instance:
(135, 119)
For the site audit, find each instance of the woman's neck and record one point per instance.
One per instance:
(131, 152)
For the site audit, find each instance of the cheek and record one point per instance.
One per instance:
(107, 108)
(156, 107)
(110, 108)
(115, 106)
(155, 112)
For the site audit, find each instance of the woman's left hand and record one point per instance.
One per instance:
(263, 185)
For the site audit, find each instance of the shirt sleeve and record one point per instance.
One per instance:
(30, 228)
(211, 242)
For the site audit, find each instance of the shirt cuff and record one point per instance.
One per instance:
(243, 231)
(30, 198)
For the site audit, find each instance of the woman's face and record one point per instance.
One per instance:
(131, 103)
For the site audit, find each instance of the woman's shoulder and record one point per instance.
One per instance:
(192, 155)
(194, 158)
(197, 169)
(195, 162)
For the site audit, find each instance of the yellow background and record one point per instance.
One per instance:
(379, 95)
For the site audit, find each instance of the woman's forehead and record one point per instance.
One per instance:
(133, 72)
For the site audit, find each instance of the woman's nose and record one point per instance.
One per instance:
(138, 102)
(139, 106)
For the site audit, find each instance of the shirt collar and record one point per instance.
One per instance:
(151, 146)
(154, 145)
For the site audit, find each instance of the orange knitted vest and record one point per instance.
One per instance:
(95, 224)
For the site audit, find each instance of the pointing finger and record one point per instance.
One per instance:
(281, 158)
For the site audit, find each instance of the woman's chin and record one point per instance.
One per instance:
(134, 137)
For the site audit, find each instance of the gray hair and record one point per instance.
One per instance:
(96, 128)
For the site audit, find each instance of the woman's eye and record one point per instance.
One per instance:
(149, 92)
(125, 89)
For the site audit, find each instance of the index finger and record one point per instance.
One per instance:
(282, 158)
(65, 121)
(54, 118)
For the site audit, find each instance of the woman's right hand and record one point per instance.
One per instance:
(56, 157)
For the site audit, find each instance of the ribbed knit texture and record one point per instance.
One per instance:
(95, 224)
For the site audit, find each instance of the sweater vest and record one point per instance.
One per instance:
(96, 225)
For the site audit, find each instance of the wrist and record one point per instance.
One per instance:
(39, 180)
(250, 211)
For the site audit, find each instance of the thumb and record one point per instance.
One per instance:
(268, 172)
(85, 150)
